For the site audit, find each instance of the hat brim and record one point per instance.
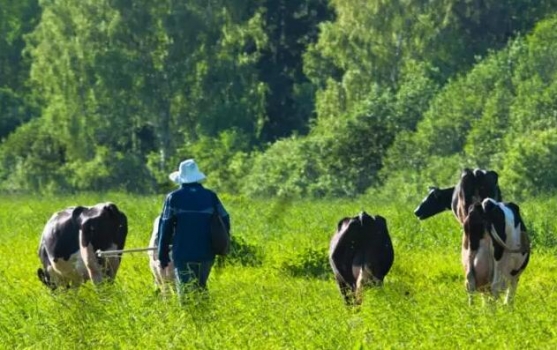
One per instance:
(190, 178)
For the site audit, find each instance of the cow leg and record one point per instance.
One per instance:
(345, 290)
(364, 277)
(497, 283)
(112, 263)
(511, 292)
(470, 277)
(91, 263)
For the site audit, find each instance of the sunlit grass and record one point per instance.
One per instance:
(422, 304)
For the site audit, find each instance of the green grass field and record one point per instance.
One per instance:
(285, 296)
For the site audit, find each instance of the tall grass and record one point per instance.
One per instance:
(274, 305)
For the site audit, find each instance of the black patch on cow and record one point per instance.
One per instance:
(62, 242)
(517, 217)
(98, 224)
(474, 226)
(474, 186)
(496, 218)
(343, 250)
(487, 184)
(380, 256)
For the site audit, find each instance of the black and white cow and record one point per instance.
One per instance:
(510, 250)
(163, 277)
(69, 242)
(360, 253)
(473, 186)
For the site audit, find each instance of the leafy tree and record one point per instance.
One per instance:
(17, 18)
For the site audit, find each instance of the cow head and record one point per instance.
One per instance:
(44, 277)
(436, 201)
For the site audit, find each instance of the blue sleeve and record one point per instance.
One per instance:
(223, 213)
(166, 233)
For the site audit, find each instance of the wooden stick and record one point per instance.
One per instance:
(101, 253)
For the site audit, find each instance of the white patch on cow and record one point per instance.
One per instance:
(164, 278)
(68, 272)
(90, 258)
(510, 260)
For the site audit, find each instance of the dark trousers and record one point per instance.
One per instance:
(192, 276)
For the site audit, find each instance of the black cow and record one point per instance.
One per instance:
(360, 253)
(70, 240)
(472, 187)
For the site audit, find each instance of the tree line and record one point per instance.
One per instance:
(290, 98)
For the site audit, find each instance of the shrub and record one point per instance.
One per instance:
(312, 262)
(243, 253)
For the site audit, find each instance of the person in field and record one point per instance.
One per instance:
(185, 224)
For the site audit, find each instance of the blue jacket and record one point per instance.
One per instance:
(185, 223)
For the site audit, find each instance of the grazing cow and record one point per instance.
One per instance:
(69, 242)
(360, 253)
(473, 186)
(163, 277)
(511, 245)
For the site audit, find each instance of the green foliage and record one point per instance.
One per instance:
(488, 118)
(31, 158)
(283, 170)
(244, 253)
(531, 164)
(356, 94)
(17, 18)
(312, 262)
(108, 168)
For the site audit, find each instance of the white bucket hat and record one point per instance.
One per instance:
(188, 172)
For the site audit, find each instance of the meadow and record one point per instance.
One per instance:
(276, 291)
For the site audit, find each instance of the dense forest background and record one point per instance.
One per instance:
(298, 98)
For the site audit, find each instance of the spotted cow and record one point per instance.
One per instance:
(360, 253)
(70, 240)
(501, 225)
